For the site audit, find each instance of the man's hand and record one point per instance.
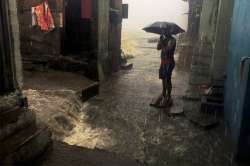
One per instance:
(159, 45)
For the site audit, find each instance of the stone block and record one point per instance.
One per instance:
(199, 80)
(90, 92)
(13, 142)
(29, 148)
(25, 119)
(191, 106)
(8, 102)
(202, 60)
(200, 70)
(193, 93)
(10, 116)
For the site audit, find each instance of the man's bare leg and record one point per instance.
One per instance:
(169, 87)
(162, 95)
(158, 101)
(163, 102)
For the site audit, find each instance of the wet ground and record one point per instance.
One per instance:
(119, 125)
(120, 120)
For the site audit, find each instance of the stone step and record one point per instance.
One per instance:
(8, 102)
(26, 119)
(90, 91)
(13, 142)
(10, 116)
(25, 145)
(199, 79)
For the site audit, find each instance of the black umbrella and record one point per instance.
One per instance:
(164, 28)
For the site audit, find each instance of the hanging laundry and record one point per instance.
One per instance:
(42, 16)
(86, 9)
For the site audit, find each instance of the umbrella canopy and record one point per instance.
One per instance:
(164, 28)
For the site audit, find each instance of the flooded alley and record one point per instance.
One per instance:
(120, 119)
(124, 82)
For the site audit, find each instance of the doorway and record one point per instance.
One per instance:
(77, 27)
(79, 35)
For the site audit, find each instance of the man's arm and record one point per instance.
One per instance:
(159, 45)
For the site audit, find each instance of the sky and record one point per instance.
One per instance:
(145, 12)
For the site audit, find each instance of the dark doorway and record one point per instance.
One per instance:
(6, 71)
(79, 34)
(77, 30)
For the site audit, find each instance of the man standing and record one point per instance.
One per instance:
(167, 45)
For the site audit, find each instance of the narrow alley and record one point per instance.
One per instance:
(124, 82)
(120, 119)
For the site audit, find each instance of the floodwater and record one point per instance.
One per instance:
(120, 119)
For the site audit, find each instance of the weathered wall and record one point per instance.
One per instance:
(187, 45)
(208, 21)
(237, 103)
(194, 12)
(103, 36)
(14, 23)
(115, 29)
(202, 57)
(219, 60)
(20, 138)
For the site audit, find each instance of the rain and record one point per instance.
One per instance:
(124, 82)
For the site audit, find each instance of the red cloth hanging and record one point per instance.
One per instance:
(86, 9)
(44, 16)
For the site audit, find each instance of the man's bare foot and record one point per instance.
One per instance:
(164, 102)
(157, 102)
(170, 101)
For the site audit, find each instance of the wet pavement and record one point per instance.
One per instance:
(120, 120)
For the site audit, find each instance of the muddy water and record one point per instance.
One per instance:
(120, 120)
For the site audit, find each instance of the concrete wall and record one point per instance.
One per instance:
(189, 40)
(115, 29)
(214, 35)
(103, 37)
(21, 138)
(14, 23)
(208, 21)
(237, 96)
(200, 73)
(219, 61)
(194, 13)
(210, 56)
(109, 38)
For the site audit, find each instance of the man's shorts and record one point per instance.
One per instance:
(165, 71)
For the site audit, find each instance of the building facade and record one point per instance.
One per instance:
(208, 64)
(222, 58)
(86, 32)
(22, 139)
